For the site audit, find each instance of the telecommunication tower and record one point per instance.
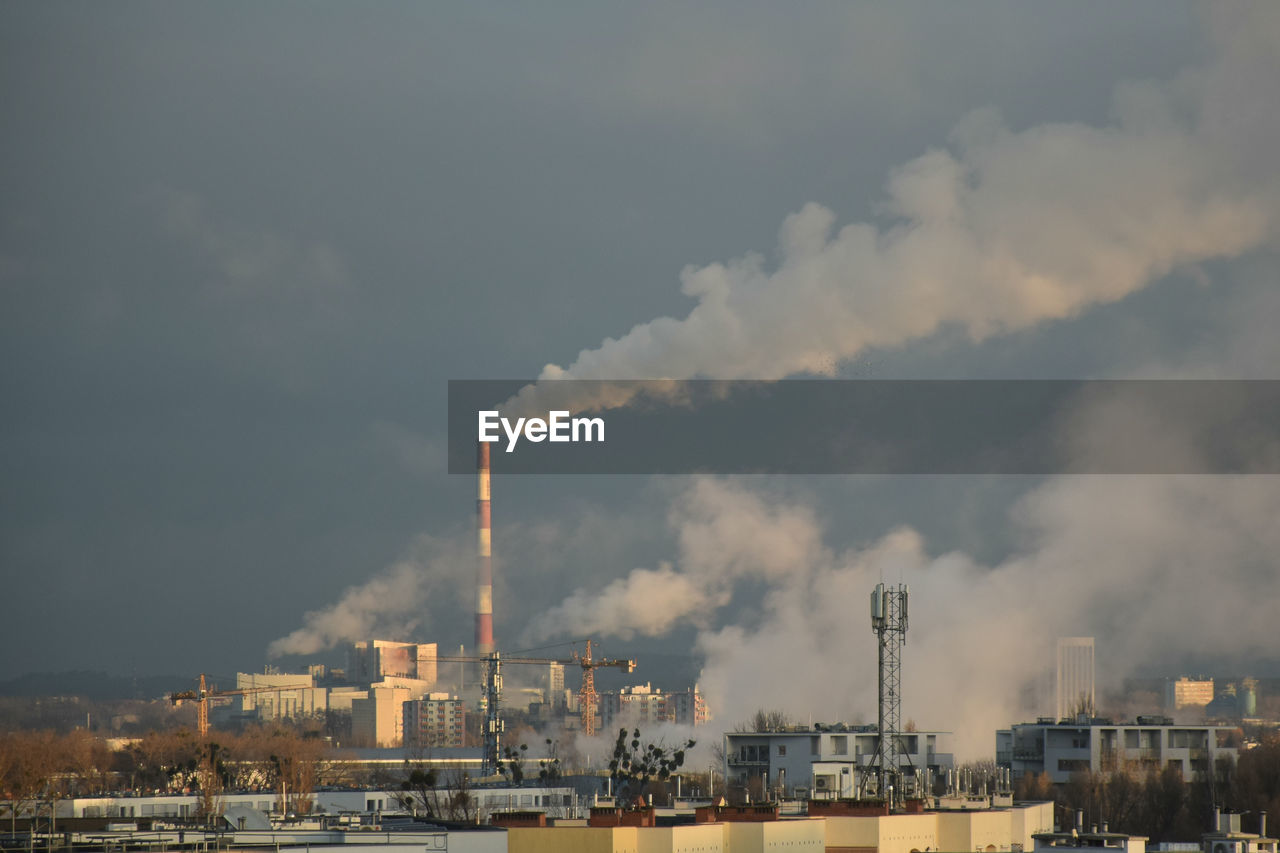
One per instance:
(889, 621)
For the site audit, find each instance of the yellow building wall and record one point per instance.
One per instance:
(693, 838)
(845, 832)
(953, 831)
(572, 839)
(1030, 819)
(991, 831)
(699, 838)
(792, 836)
(907, 832)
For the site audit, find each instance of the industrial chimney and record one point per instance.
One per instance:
(484, 566)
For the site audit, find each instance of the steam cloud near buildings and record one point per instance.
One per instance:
(998, 231)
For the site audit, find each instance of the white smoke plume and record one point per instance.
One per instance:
(1153, 567)
(389, 604)
(1000, 231)
(723, 535)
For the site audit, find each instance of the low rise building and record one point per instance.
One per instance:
(784, 762)
(1097, 745)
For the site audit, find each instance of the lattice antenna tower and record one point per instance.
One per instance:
(889, 621)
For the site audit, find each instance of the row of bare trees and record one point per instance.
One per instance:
(40, 765)
(1162, 805)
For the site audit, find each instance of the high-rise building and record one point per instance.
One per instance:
(436, 720)
(555, 685)
(1075, 693)
(1185, 692)
(687, 708)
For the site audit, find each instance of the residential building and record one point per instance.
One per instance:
(1187, 692)
(644, 703)
(1062, 748)
(784, 761)
(436, 720)
(688, 708)
(641, 704)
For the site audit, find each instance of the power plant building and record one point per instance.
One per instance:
(378, 720)
(371, 661)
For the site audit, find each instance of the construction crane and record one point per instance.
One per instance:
(493, 662)
(206, 693)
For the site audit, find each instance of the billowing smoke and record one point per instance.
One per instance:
(1000, 231)
(723, 535)
(388, 605)
(1153, 567)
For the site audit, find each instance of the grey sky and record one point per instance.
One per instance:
(244, 246)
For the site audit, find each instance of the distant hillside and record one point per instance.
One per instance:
(93, 685)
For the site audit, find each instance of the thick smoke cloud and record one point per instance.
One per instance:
(388, 605)
(1000, 231)
(1153, 567)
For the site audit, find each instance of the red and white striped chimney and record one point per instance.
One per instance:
(484, 567)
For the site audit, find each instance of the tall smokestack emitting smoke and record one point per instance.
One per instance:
(484, 564)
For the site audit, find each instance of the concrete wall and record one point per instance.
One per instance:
(801, 836)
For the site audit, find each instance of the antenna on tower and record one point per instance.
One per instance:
(889, 621)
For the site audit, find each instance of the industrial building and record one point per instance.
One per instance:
(372, 661)
(819, 761)
(378, 720)
(1063, 748)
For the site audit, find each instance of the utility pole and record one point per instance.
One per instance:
(889, 621)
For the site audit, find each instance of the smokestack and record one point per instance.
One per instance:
(484, 566)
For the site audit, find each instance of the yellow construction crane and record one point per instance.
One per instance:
(206, 692)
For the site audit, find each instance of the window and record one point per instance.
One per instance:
(782, 749)
(840, 744)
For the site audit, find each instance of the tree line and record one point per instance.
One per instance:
(1159, 803)
(36, 766)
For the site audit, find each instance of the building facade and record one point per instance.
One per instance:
(644, 704)
(1074, 682)
(784, 761)
(371, 661)
(434, 721)
(1063, 748)
(378, 720)
(1186, 692)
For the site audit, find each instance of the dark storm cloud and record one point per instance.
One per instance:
(243, 247)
